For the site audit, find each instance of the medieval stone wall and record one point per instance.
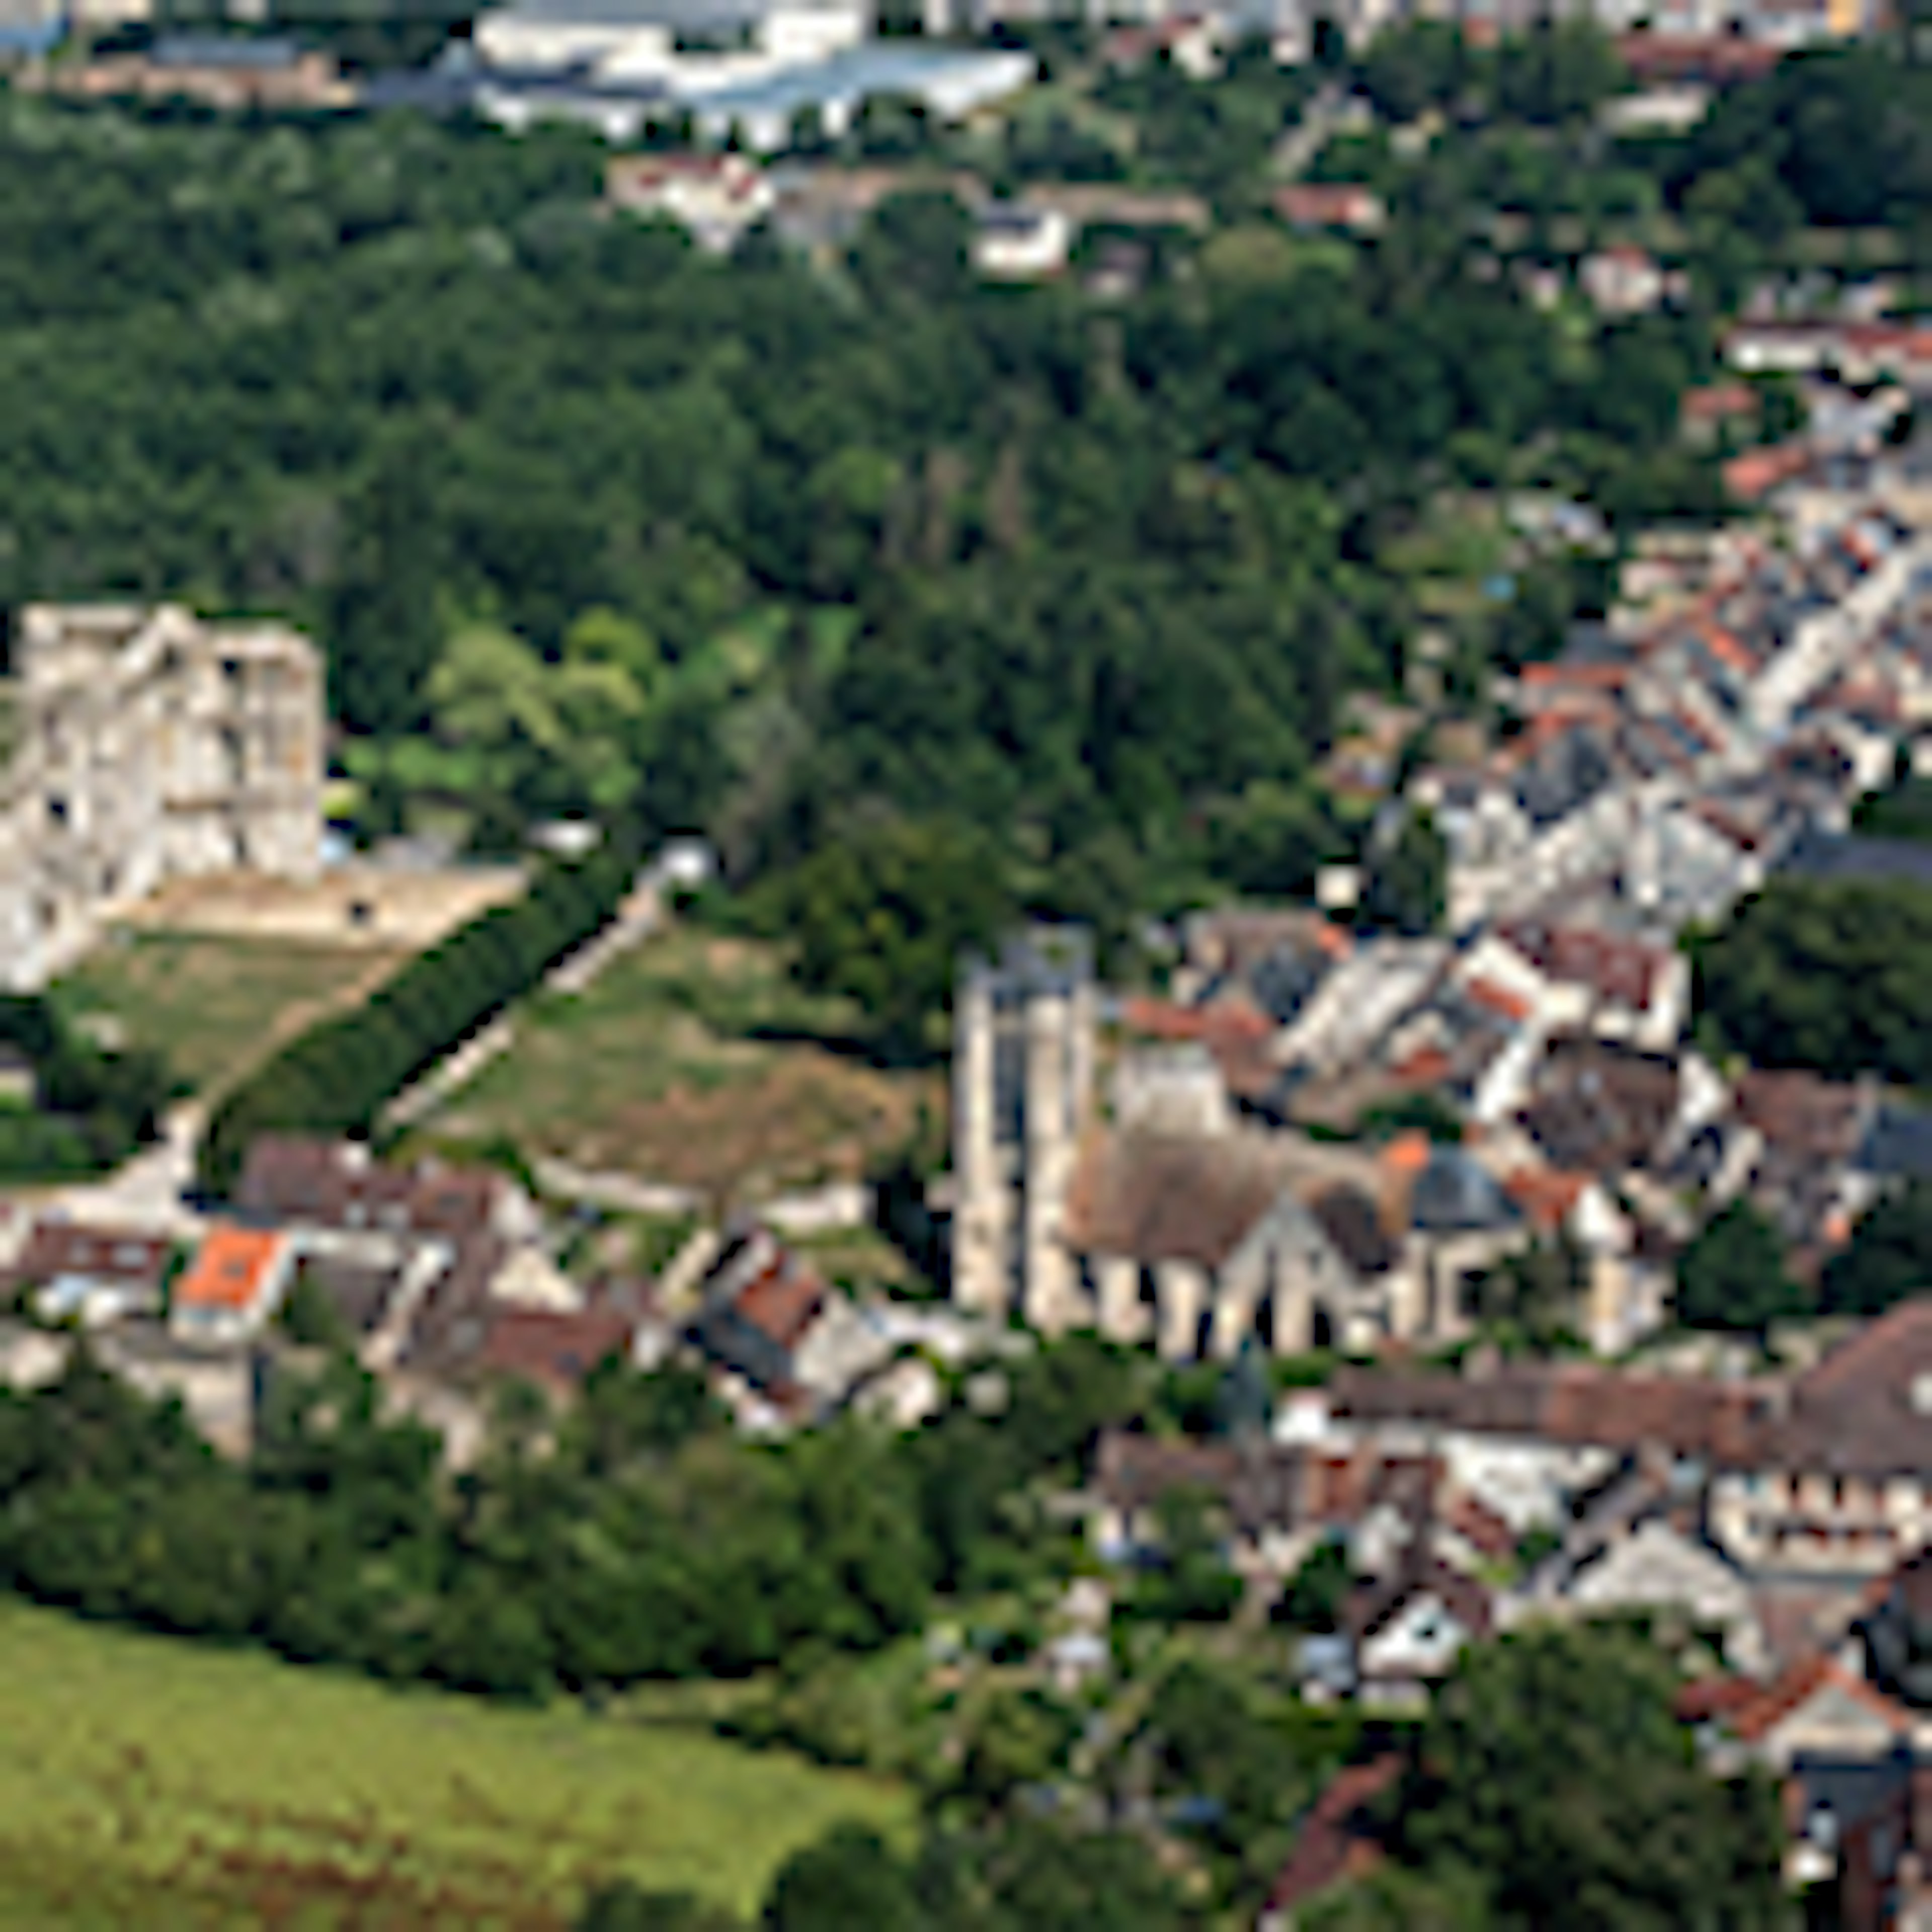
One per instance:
(138, 745)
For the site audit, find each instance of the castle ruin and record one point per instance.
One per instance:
(138, 745)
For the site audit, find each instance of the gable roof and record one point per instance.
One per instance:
(97, 1250)
(1155, 1198)
(1810, 1677)
(1372, 1608)
(1149, 1196)
(1866, 1407)
(553, 1348)
(1799, 1112)
(294, 1178)
(1571, 1404)
(1333, 1843)
(1624, 972)
(1600, 1108)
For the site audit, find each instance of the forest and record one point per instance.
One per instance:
(1550, 1784)
(1827, 976)
(642, 1539)
(585, 519)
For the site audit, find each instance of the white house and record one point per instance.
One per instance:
(1016, 242)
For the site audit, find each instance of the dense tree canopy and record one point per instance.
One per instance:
(1732, 1275)
(641, 1538)
(1887, 1259)
(1844, 136)
(1551, 1773)
(586, 519)
(1827, 976)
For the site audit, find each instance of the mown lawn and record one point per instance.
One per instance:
(214, 1004)
(147, 1781)
(693, 1060)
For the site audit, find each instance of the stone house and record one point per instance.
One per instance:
(1657, 1566)
(1017, 241)
(232, 1285)
(96, 1272)
(716, 199)
(1409, 1629)
(1836, 1482)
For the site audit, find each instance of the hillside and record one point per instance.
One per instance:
(205, 1789)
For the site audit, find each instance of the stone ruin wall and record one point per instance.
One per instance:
(142, 745)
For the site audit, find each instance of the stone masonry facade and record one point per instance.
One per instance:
(141, 744)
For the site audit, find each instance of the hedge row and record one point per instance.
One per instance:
(336, 1079)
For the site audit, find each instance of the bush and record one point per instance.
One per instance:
(335, 1079)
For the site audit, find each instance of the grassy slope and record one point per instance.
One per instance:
(213, 1788)
(659, 1070)
(214, 1005)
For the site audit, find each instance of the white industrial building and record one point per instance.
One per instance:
(747, 70)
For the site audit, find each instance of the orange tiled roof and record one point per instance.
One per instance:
(1545, 1194)
(1162, 1019)
(1796, 1687)
(1498, 998)
(1408, 1152)
(231, 1269)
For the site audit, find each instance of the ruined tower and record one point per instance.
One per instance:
(1023, 1080)
(138, 745)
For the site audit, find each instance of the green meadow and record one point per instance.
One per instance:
(146, 1781)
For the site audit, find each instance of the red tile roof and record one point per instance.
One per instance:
(1328, 205)
(1545, 1194)
(1705, 1698)
(1334, 1843)
(1719, 58)
(232, 1270)
(1796, 1686)
(781, 1302)
(1163, 1019)
(1498, 998)
(1718, 402)
(100, 1252)
(556, 1349)
(1758, 471)
(1427, 1066)
(1572, 1404)
(1623, 971)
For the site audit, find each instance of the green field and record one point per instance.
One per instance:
(214, 1005)
(693, 1060)
(145, 1781)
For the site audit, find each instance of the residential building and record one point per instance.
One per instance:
(91, 1273)
(1017, 241)
(228, 73)
(717, 199)
(761, 1302)
(1347, 206)
(1338, 1841)
(1626, 281)
(1409, 1631)
(232, 1285)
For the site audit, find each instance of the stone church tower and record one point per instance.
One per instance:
(1023, 1082)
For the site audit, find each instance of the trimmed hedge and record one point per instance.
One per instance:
(335, 1079)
